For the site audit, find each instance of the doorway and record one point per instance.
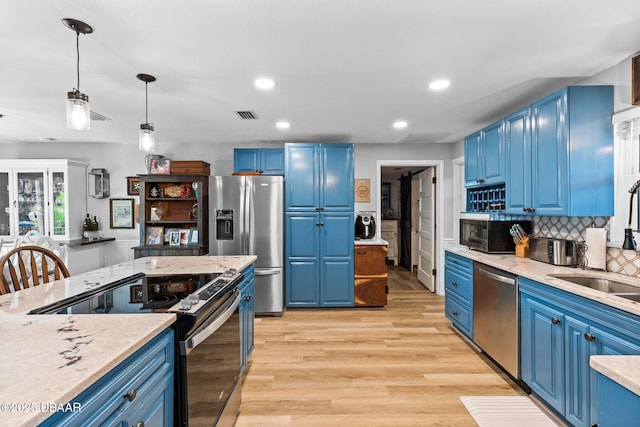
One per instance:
(414, 200)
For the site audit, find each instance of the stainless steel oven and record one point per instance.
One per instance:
(207, 335)
(209, 368)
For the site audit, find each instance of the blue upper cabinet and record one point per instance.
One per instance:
(485, 156)
(269, 161)
(319, 177)
(560, 154)
(517, 137)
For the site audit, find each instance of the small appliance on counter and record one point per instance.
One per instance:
(490, 236)
(554, 251)
(365, 227)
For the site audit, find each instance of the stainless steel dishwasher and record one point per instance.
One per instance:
(495, 315)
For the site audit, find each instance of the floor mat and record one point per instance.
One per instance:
(507, 411)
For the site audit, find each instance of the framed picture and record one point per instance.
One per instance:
(167, 234)
(174, 238)
(121, 213)
(160, 167)
(184, 236)
(193, 236)
(635, 80)
(133, 186)
(155, 236)
(135, 294)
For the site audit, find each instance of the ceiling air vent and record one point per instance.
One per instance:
(247, 115)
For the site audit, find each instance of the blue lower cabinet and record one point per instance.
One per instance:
(247, 315)
(617, 406)
(139, 390)
(559, 333)
(319, 270)
(458, 283)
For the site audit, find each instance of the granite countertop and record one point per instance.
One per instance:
(625, 370)
(52, 358)
(371, 242)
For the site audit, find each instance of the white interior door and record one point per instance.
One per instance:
(426, 229)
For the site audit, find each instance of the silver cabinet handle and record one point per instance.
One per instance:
(497, 277)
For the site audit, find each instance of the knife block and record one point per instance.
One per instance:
(522, 250)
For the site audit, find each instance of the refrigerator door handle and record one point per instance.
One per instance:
(267, 271)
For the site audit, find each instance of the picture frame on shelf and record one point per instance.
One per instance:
(184, 236)
(133, 186)
(193, 236)
(174, 238)
(160, 167)
(154, 236)
(167, 234)
(121, 213)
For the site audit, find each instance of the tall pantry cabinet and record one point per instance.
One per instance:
(319, 197)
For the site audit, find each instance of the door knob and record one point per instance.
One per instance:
(555, 320)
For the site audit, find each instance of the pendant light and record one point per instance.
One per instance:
(78, 112)
(147, 140)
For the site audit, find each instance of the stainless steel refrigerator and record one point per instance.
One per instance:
(247, 218)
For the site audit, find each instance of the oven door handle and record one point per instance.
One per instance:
(189, 344)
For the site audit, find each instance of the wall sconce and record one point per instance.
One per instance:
(78, 112)
(147, 140)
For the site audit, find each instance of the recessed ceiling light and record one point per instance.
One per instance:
(283, 125)
(439, 84)
(400, 124)
(46, 139)
(264, 83)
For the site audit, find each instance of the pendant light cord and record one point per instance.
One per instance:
(78, 58)
(146, 103)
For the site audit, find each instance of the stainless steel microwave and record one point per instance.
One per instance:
(489, 235)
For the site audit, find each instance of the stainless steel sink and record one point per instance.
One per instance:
(604, 285)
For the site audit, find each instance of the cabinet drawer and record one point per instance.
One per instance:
(370, 260)
(389, 226)
(370, 292)
(459, 284)
(459, 263)
(460, 314)
(389, 236)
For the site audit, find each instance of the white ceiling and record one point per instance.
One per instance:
(344, 69)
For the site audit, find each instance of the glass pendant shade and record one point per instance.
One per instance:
(147, 140)
(78, 112)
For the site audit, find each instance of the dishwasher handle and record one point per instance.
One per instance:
(498, 277)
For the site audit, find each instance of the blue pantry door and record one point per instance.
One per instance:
(302, 268)
(302, 172)
(336, 253)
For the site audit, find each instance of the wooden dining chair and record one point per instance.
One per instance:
(30, 265)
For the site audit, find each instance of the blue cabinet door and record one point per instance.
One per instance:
(302, 265)
(492, 154)
(336, 252)
(578, 349)
(518, 165)
(336, 181)
(550, 166)
(247, 315)
(272, 161)
(302, 168)
(472, 166)
(618, 406)
(246, 160)
(542, 351)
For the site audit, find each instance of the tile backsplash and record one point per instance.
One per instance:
(621, 261)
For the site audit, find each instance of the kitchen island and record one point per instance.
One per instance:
(47, 360)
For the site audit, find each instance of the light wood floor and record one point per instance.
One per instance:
(396, 366)
(401, 279)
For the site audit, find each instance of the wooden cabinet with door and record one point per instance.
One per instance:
(370, 276)
(389, 232)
